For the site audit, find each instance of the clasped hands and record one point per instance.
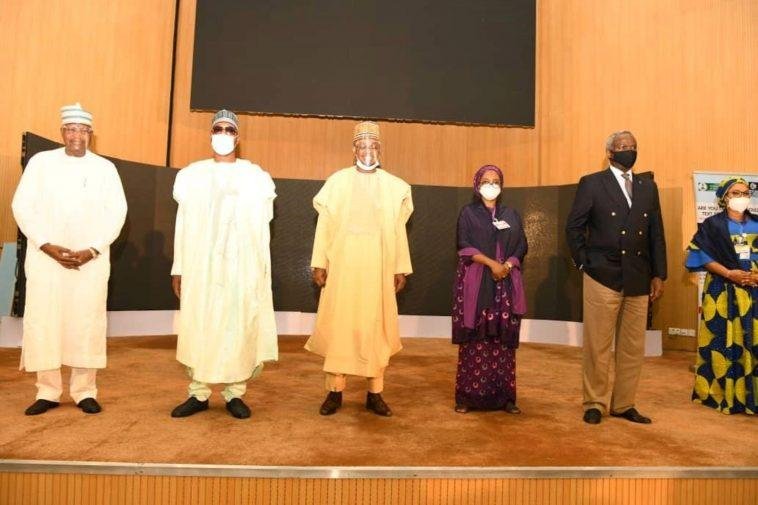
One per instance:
(499, 270)
(319, 279)
(66, 257)
(743, 278)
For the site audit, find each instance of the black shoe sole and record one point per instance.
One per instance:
(382, 413)
(631, 420)
(239, 415)
(328, 411)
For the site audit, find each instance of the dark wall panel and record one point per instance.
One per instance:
(446, 60)
(142, 255)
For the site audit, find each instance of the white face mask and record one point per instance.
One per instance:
(222, 144)
(489, 191)
(363, 166)
(739, 204)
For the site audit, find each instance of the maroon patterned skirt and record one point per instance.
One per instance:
(486, 377)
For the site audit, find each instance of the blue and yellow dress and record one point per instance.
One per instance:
(727, 358)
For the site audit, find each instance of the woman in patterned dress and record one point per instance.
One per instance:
(726, 247)
(488, 298)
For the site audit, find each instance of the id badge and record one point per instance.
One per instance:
(743, 251)
(501, 225)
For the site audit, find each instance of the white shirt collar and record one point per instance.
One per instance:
(622, 181)
(618, 172)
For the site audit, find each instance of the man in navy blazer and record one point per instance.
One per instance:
(615, 234)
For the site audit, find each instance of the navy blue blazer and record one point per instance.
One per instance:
(622, 248)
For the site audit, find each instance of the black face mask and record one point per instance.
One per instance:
(624, 158)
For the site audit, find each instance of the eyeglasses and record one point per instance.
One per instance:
(229, 130)
(367, 147)
(73, 130)
(737, 194)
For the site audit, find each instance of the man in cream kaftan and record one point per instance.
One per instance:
(360, 259)
(70, 205)
(222, 272)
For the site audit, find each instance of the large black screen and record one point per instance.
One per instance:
(443, 60)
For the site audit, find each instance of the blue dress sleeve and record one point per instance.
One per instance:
(696, 260)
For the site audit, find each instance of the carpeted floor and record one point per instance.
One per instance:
(143, 383)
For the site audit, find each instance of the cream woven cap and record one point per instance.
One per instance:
(366, 129)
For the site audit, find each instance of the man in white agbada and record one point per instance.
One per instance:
(70, 205)
(222, 272)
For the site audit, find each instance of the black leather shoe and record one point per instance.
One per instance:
(40, 407)
(375, 404)
(633, 416)
(592, 416)
(332, 402)
(191, 406)
(89, 406)
(237, 408)
(511, 408)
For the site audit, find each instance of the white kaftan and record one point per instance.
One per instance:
(77, 203)
(221, 250)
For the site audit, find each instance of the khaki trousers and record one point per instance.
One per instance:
(81, 384)
(337, 382)
(609, 316)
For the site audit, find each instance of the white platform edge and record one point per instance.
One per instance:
(163, 322)
(376, 472)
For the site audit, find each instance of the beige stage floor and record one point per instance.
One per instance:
(143, 383)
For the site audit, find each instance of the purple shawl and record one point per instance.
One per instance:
(477, 234)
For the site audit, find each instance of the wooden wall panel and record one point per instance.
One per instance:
(112, 56)
(76, 489)
(681, 74)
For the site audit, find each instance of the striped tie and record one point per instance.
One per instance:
(628, 183)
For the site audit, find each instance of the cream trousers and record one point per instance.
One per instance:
(81, 384)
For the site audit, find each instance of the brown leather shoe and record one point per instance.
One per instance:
(376, 404)
(633, 416)
(331, 404)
